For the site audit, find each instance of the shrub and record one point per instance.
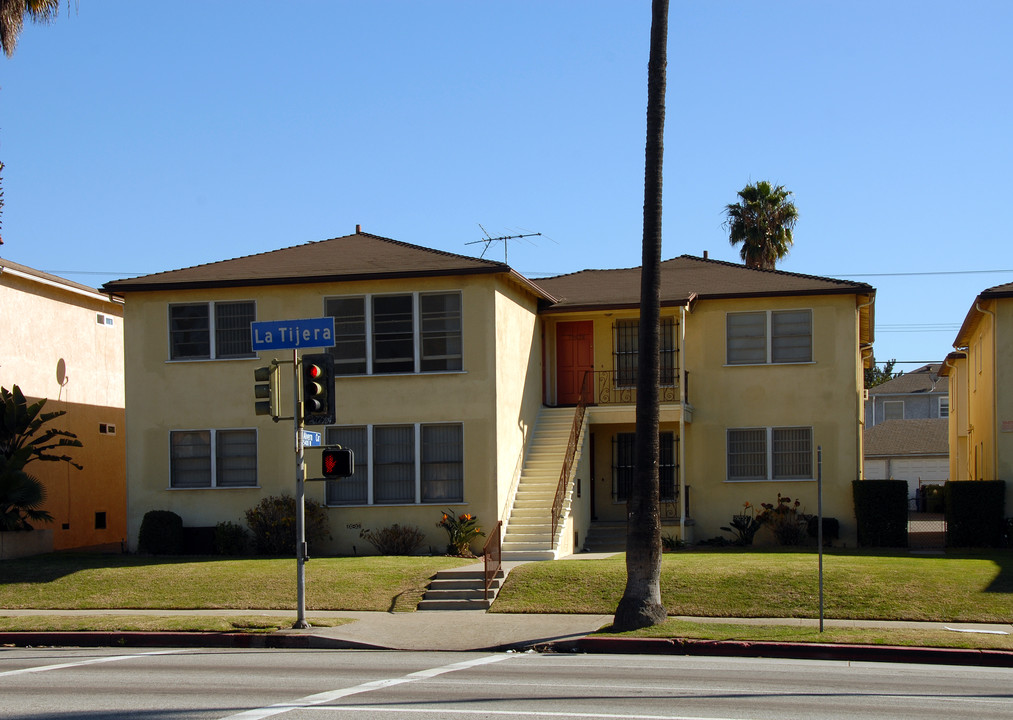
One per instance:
(395, 539)
(974, 513)
(881, 512)
(161, 533)
(831, 529)
(231, 539)
(461, 530)
(198, 541)
(272, 522)
(744, 525)
(935, 498)
(787, 520)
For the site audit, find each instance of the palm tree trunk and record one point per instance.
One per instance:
(641, 604)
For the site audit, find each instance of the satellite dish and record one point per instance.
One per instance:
(61, 372)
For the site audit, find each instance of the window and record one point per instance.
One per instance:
(198, 332)
(100, 521)
(385, 334)
(626, 356)
(944, 407)
(773, 336)
(191, 453)
(624, 466)
(783, 453)
(400, 464)
(106, 429)
(893, 409)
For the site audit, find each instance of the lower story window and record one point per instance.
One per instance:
(400, 464)
(212, 458)
(770, 453)
(624, 466)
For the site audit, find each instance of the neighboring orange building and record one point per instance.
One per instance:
(63, 341)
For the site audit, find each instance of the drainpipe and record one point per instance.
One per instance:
(995, 391)
(953, 408)
(682, 423)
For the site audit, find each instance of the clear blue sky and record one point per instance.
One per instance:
(145, 136)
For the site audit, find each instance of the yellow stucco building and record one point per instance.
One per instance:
(981, 390)
(63, 342)
(462, 384)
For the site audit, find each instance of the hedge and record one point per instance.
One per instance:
(881, 512)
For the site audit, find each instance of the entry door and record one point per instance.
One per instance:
(574, 357)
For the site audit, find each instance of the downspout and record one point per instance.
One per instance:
(954, 402)
(682, 423)
(995, 391)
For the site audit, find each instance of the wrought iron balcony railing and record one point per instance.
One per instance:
(620, 388)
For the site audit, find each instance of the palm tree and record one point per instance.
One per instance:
(22, 441)
(762, 221)
(12, 19)
(641, 604)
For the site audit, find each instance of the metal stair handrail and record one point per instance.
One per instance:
(492, 553)
(571, 452)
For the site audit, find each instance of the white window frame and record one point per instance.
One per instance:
(769, 454)
(213, 450)
(944, 407)
(212, 331)
(369, 465)
(768, 338)
(417, 331)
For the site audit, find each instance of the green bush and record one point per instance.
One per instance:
(975, 513)
(831, 529)
(231, 539)
(161, 533)
(881, 512)
(272, 522)
(395, 539)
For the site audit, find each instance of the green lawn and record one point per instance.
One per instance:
(80, 581)
(857, 585)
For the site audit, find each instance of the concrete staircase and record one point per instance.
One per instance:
(528, 534)
(460, 589)
(606, 537)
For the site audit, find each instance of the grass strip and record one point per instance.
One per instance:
(158, 623)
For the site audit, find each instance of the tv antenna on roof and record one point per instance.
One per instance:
(489, 240)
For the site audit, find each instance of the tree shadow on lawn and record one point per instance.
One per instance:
(54, 566)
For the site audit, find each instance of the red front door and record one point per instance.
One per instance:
(574, 357)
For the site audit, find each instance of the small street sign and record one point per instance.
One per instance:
(311, 439)
(293, 334)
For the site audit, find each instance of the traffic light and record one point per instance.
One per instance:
(267, 390)
(337, 462)
(318, 389)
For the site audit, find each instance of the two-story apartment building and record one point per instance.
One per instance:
(981, 391)
(464, 385)
(63, 342)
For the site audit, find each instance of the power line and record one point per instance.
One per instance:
(913, 274)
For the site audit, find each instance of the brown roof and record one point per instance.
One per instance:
(18, 267)
(361, 256)
(923, 380)
(908, 437)
(684, 278)
(992, 293)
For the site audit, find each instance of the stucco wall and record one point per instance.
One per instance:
(165, 395)
(54, 348)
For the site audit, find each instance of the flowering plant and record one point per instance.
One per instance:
(788, 520)
(744, 525)
(461, 530)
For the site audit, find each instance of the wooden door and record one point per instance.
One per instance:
(574, 357)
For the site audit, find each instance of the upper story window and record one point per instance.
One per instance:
(893, 409)
(768, 337)
(211, 330)
(407, 333)
(626, 355)
(944, 407)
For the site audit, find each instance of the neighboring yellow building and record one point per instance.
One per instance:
(63, 342)
(981, 391)
(460, 386)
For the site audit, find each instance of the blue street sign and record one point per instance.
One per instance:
(291, 334)
(310, 438)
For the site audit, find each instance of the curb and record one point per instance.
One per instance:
(181, 639)
(801, 651)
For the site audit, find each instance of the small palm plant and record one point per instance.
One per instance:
(22, 441)
(461, 530)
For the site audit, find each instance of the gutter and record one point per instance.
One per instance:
(90, 294)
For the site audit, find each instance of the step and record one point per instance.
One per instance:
(455, 604)
(454, 584)
(517, 555)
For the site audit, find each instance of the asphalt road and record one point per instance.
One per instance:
(180, 684)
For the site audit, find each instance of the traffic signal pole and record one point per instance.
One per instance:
(300, 499)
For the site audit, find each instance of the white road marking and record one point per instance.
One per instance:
(331, 695)
(90, 661)
(523, 713)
